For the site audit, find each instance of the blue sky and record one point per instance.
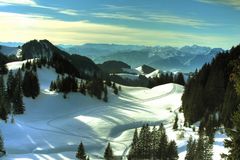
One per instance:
(143, 22)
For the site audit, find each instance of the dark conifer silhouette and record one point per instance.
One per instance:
(81, 152)
(108, 154)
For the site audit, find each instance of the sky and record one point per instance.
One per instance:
(213, 23)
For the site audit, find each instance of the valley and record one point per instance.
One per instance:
(52, 127)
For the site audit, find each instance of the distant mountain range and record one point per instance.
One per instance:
(11, 44)
(8, 50)
(185, 59)
(165, 58)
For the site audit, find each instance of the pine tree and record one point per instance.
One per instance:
(108, 82)
(172, 153)
(199, 155)
(108, 154)
(155, 141)
(35, 85)
(115, 89)
(135, 137)
(10, 85)
(52, 86)
(82, 88)
(133, 153)
(23, 67)
(2, 90)
(105, 96)
(3, 113)
(191, 149)
(147, 142)
(30, 84)
(234, 135)
(210, 128)
(203, 148)
(175, 125)
(2, 87)
(17, 100)
(81, 152)
(18, 105)
(180, 79)
(3, 69)
(162, 148)
(2, 149)
(207, 148)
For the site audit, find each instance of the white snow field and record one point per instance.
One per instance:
(52, 127)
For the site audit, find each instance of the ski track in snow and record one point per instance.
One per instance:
(53, 127)
(92, 110)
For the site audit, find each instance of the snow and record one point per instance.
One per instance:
(128, 76)
(131, 71)
(52, 127)
(155, 73)
(139, 69)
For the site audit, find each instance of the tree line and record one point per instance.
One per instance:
(152, 144)
(81, 154)
(96, 87)
(165, 78)
(210, 91)
(11, 95)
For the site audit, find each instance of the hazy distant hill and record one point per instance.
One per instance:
(185, 59)
(8, 51)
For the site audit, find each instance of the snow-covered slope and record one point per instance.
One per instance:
(155, 73)
(53, 127)
(131, 71)
(128, 76)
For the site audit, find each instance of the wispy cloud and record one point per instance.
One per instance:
(32, 3)
(18, 2)
(172, 19)
(117, 7)
(233, 3)
(139, 14)
(76, 32)
(122, 16)
(155, 18)
(70, 12)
